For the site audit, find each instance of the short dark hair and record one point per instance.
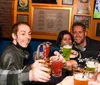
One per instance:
(60, 36)
(78, 24)
(15, 27)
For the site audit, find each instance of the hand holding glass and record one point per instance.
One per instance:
(46, 63)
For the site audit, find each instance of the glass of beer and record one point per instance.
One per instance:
(80, 79)
(91, 65)
(91, 68)
(66, 51)
(47, 64)
(56, 68)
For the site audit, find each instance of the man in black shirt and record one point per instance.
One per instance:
(88, 47)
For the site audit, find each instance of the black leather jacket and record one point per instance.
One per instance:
(13, 57)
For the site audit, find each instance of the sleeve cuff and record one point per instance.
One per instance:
(24, 76)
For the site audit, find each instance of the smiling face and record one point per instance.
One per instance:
(66, 40)
(23, 35)
(79, 34)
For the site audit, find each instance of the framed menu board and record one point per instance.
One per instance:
(50, 20)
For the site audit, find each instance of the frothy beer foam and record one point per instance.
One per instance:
(67, 46)
(91, 64)
(79, 76)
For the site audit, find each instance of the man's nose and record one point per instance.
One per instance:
(77, 34)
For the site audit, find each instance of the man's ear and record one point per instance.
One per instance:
(14, 36)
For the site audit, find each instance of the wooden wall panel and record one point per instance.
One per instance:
(91, 30)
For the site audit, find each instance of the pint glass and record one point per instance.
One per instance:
(66, 51)
(80, 79)
(56, 68)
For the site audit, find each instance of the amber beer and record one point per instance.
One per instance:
(47, 64)
(79, 79)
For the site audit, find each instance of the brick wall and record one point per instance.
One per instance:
(6, 16)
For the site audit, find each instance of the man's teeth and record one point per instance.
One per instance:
(77, 39)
